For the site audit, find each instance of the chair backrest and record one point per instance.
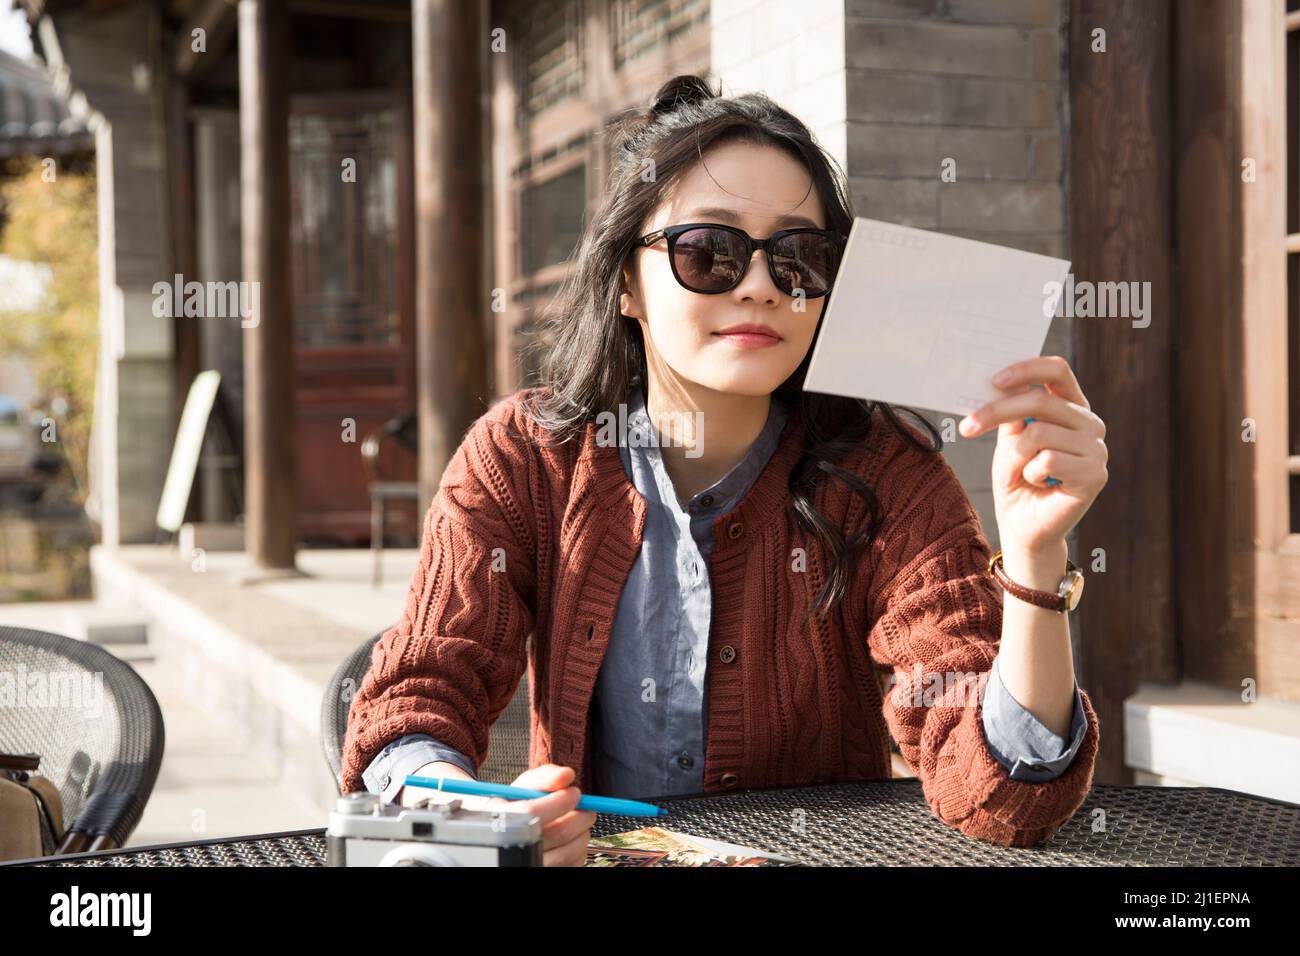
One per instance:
(508, 739)
(93, 720)
(403, 428)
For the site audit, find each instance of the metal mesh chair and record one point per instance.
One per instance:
(95, 724)
(507, 755)
(404, 429)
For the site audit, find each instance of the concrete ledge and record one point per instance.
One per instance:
(210, 537)
(1143, 779)
(261, 660)
(106, 625)
(1197, 735)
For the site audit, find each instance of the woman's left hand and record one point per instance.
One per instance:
(1066, 442)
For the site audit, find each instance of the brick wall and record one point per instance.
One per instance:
(794, 52)
(982, 82)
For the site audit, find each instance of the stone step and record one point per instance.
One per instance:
(103, 625)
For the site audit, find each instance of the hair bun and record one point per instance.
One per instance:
(686, 89)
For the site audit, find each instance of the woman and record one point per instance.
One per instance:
(715, 593)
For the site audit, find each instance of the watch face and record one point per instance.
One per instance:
(1075, 592)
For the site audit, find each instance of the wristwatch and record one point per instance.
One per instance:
(1067, 595)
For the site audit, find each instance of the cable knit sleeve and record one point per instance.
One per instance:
(451, 665)
(936, 621)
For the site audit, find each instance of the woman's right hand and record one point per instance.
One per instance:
(565, 829)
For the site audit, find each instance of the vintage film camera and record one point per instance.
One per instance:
(363, 831)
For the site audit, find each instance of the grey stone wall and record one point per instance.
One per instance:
(110, 60)
(910, 84)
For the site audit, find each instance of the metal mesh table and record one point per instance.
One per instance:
(882, 822)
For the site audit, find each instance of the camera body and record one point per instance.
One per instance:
(363, 831)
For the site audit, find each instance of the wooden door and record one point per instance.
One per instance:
(352, 254)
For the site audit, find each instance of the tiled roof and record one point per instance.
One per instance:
(33, 116)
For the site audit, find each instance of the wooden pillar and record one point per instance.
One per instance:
(181, 215)
(449, 39)
(270, 463)
(1238, 574)
(1121, 231)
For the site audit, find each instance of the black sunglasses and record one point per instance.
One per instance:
(711, 258)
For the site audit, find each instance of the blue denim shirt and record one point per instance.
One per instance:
(650, 706)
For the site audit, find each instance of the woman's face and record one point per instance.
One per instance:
(760, 189)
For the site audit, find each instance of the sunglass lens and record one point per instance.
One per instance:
(807, 261)
(709, 260)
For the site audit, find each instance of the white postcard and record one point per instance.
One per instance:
(922, 319)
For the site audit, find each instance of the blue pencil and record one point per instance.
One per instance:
(627, 808)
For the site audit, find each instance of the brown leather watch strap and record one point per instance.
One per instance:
(1054, 601)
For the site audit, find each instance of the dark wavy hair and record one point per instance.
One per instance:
(593, 354)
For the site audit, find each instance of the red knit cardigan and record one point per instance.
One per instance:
(525, 540)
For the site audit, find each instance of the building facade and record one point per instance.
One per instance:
(1151, 144)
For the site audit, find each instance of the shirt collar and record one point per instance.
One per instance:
(722, 494)
(600, 471)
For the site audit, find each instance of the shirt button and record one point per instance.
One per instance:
(730, 780)
(706, 501)
(686, 761)
(727, 654)
(736, 529)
